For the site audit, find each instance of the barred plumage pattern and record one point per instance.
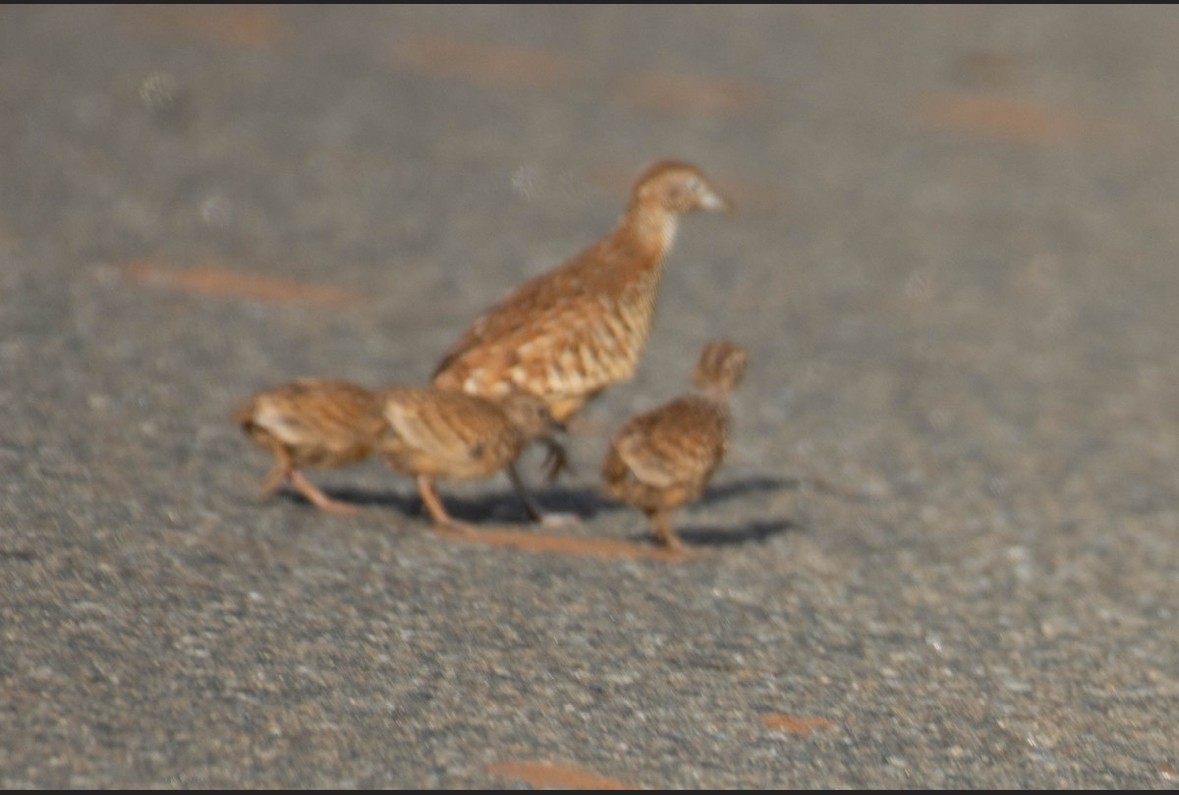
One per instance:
(448, 434)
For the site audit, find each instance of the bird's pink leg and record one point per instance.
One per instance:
(442, 520)
(661, 527)
(317, 497)
(273, 480)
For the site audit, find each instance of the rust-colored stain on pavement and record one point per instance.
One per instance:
(686, 95)
(241, 26)
(995, 117)
(546, 774)
(795, 724)
(211, 280)
(484, 64)
(567, 545)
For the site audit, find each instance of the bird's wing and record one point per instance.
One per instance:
(450, 428)
(531, 308)
(565, 348)
(561, 332)
(419, 426)
(334, 414)
(680, 442)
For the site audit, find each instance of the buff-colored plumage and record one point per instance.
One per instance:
(665, 457)
(312, 422)
(435, 434)
(566, 335)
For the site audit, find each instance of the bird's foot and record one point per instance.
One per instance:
(555, 521)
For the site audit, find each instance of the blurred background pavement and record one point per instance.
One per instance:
(942, 552)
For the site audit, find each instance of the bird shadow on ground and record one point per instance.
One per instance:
(578, 501)
(743, 487)
(715, 535)
(495, 514)
(746, 486)
(753, 532)
(501, 505)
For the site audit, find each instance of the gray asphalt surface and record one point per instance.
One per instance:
(942, 553)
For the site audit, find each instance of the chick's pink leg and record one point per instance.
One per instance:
(273, 480)
(317, 497)
(437, 511)
(282, 466)
(661, 527)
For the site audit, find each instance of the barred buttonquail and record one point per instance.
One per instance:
(312, 422)
(566, 335)
(665, 457)
(437, 434)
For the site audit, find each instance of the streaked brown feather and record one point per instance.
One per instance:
(447, 434)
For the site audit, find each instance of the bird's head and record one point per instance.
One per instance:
(530, 415)
(720, 368)
(677, 187)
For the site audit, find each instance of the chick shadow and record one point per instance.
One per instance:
(579, 502)
(752, 533)
(745, 487)
(500, 505)
(715, 535)
(588, 502)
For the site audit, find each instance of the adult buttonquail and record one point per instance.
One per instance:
(567, 334)
(663, 458)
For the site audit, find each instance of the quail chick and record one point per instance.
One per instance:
(566, 335)
(312, 422)
(436, 434)
(665, 457)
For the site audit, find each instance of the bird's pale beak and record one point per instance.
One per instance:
(714, 202)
